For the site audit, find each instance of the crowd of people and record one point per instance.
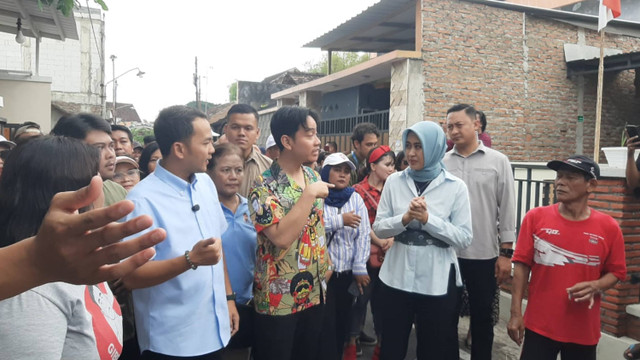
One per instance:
(232, 253)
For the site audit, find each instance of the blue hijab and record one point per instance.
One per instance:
(434, 145)
(336, 198)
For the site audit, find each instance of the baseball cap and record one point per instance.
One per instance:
(579, 162)
(5, 142)
(126, 160)
(337, 159)
(137, 145)
(270, 142)
(28, 129)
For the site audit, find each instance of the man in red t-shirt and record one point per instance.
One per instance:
(573, 253)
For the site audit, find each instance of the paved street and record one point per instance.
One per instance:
(503, 347)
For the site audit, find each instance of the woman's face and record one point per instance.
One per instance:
(127, 176)
(227, 174)
(413, 152)
(157, 155)
(383, 168)
(340, 175)
(403, 163)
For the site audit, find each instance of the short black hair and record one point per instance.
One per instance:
(77, 126)
(34, 172)
(175, 124)
(242, 109)
(362, 129)
(288, 119)
(483, 120)
(148, 139)
(145, 157)
(123, 128)
(468, 109)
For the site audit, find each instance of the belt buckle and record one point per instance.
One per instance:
(409, 242)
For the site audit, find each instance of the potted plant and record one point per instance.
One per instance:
(617, 156)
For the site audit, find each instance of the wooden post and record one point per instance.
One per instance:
(596, 146)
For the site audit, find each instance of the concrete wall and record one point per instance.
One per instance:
(26, 100)
(511, 66)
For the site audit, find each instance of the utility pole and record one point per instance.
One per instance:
(196, 83)
(115, 85)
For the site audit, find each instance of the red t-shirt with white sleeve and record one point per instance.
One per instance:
(562, 253)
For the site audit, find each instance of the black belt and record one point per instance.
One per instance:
(419, 238)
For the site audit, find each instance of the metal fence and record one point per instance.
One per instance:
(530, 193)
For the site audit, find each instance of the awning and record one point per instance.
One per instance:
(583, 60)
(37, 23)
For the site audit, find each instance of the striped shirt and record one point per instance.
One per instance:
(349, 247)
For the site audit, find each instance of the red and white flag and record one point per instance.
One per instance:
(609, 10)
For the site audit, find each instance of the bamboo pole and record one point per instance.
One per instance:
(596, 146)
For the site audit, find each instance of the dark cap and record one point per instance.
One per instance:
(578, 162)
(136, 145)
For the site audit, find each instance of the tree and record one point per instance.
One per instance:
(67, 6)
(233, 92)
(340, 60)
(140, 132)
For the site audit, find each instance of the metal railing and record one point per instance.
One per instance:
(345, 125)
(530, 193)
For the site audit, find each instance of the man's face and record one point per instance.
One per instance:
(122, 144)
(306, 145)
(4, 152)
(103, 142)
(136, 154)
(363, 147)
(199, 147)
(572, 186)
(242, 130)
(462, 129)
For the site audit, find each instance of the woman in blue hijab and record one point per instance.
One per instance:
(427, 210)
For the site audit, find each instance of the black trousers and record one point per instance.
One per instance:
(288, 337)
(435, 319)
(150, 355)
(539, 347)
(337, 313)
(479, 278)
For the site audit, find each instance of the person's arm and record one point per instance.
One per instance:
(204, 252)
(515, 327)
(332, 222)
(506, 219)
(286, 231)
(234, 317)
(78, 248)
(586, 290)
(387, 223)
(632, 173)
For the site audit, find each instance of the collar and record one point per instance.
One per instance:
(252, 156)
(481, 148)
(172, 180)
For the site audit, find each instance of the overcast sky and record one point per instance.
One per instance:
(234, 40)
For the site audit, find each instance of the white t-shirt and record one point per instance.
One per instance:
(61, 321)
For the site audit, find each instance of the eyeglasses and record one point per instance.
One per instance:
(130, 174)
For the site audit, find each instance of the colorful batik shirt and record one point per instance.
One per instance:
(289, 280)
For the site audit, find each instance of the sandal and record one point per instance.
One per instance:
(632, 352)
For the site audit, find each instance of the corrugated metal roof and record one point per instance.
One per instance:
(46, 22)
(383, 27)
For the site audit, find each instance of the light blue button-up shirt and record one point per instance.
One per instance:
(424, 269)
(187, 315)
(239, 243)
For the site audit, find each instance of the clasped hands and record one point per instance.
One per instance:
(417, 211)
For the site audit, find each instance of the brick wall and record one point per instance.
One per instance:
(512, 66)
(613, 198)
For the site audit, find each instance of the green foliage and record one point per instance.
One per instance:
(66, 6)
(339, 61)
(204, 105)
(233, 92)
(140, 132)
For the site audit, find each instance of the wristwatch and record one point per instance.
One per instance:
(330, 268)
(231, 297)
(506, 252)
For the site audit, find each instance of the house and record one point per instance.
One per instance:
(58, 69)
(527, 68)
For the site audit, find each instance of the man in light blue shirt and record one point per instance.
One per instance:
(183, 300)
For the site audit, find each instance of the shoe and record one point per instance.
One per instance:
(376, 353)
(358, 348)
(350, 353)
(367, 340)
(632, 352)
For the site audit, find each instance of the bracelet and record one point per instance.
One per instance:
(191, 264)
(231, 297)
(508, 253)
